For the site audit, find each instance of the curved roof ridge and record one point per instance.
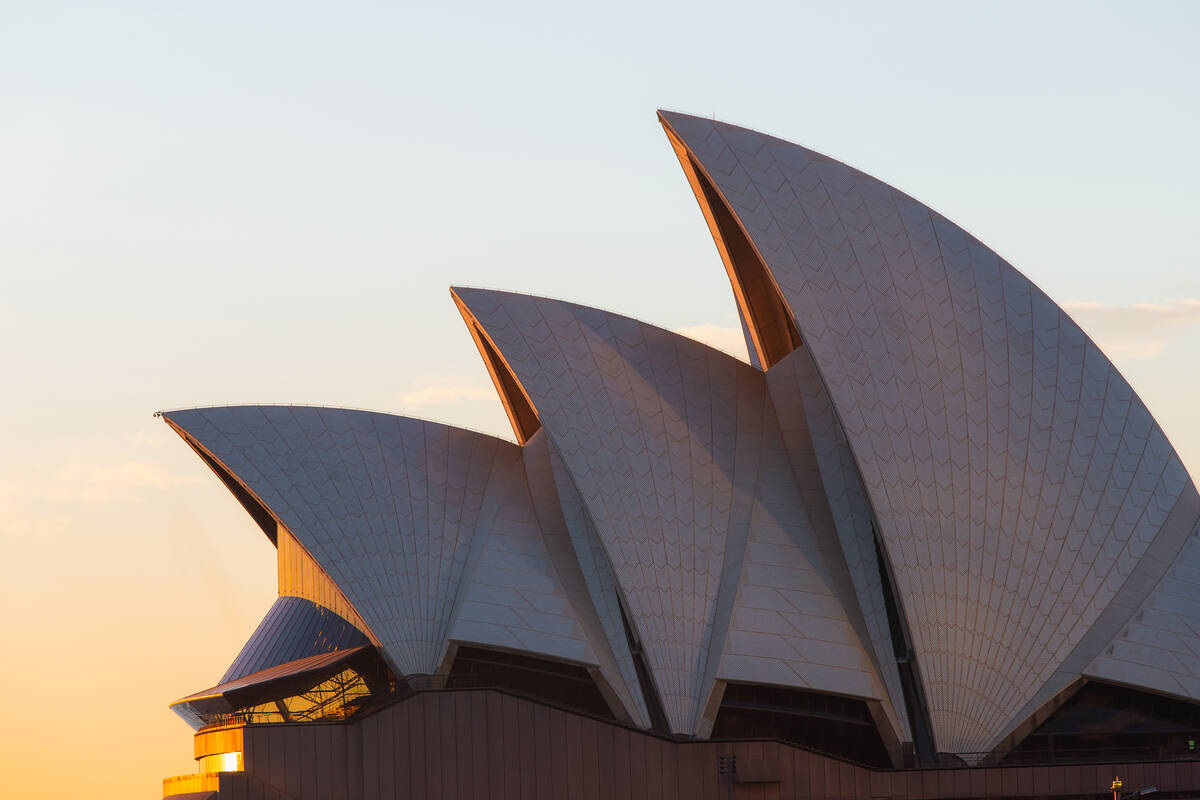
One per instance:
(606, 311)
(400, 414)
(664, 113)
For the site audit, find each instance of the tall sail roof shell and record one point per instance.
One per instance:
(429, 530)
(1017, 480)
(674, 450)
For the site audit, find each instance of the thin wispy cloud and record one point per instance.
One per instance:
(466, 403)
(63, 487)
(90, 482)
(727, 339)
(1137, 330)
(436, 394)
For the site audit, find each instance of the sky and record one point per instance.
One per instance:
(218, 202)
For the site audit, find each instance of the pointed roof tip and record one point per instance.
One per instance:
(667, 112)
(668, 117)
(463, 292)
(688, 128)
(678, 122)
(466, 296)
(458, 291)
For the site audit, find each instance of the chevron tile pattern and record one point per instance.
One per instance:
(675, 518)
(1160, 647)
(673, 451)
(832, 490)
(1016, 478)
(512, 597)
(558, 501)
(791, 620)
(399, 512)
(525, 592)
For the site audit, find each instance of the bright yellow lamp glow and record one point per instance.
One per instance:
(221, 762)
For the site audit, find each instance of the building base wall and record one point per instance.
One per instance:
(471, 745)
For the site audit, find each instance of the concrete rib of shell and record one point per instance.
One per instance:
(559, 505)
(833, 491)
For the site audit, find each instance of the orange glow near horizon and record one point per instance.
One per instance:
(129, 595)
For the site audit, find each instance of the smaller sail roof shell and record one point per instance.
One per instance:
(428, 530)
(668, 444)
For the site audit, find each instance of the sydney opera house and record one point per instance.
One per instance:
(928, 543)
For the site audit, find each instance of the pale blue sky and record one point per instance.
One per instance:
(232, 202)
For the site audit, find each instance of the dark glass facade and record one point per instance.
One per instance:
(838, 726)
(562, 684)
(1104, 722)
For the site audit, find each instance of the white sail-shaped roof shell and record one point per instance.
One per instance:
(1027, 501)
(675, 452)
(428, 530)
(929, 490)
